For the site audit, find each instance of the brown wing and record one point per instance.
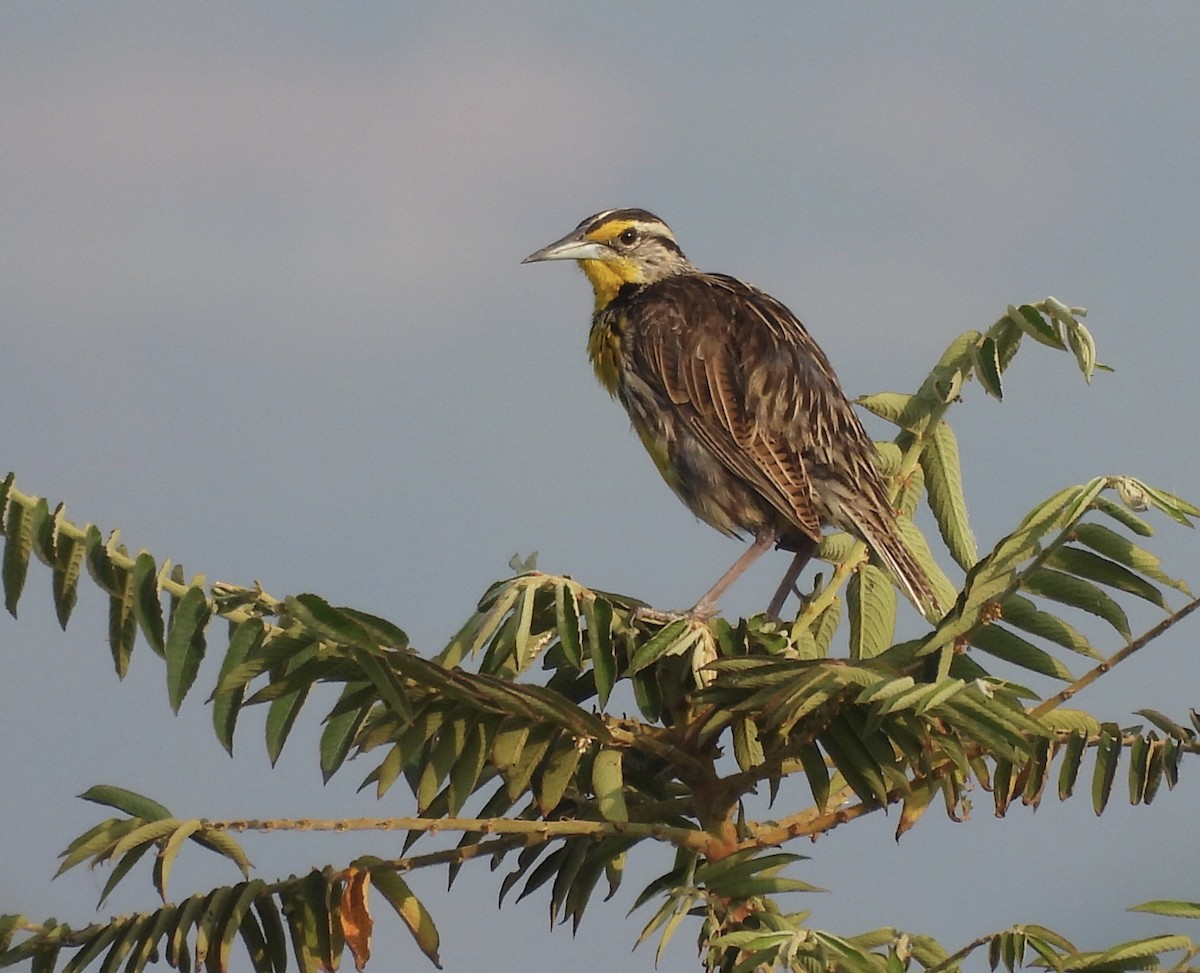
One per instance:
(750, 383)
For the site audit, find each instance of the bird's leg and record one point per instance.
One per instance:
(707, 605)
(788, 584)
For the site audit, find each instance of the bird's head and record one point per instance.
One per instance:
(619, 247)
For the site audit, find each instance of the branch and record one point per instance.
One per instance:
(545, 830)
(1117, 657)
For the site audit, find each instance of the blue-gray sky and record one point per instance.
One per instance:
(262, 309)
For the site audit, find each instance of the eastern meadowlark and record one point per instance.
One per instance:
(738, 407)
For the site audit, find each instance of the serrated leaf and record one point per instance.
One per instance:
(871, 606)
(92, 947)
(668, 640)
(1084, 346)
(69, 554)
(609, 785)
(1030, 320)
(813, 762)
(464, 774)
(1141, 949)
(185, 644)
(338, 735)
(169, 851)
(18, 532)
(945, 496)
(986, 359)
(410, 910)
(1073, 591)
(598, 614)
(1120, 549)
(1169, 907)
(852, 760)
(281, 717)
(909, 412)
(747, 748)
(133, 804)
(147, 607)
(566, 623)
(1124, 516)
(274, 936)
(121, 869)
(246, 638)
(556, 776)
(1007, 645)
(377, 668)
(1086, 564)
(225, 845)
(1021, 613)
(1108, 751)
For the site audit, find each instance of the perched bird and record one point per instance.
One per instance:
(738, 407)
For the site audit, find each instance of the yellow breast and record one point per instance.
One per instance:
(604, 350)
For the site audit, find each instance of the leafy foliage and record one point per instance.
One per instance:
(509, 736)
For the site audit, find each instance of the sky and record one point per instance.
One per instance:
(262, 309)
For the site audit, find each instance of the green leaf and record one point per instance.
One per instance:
(557, 775)
(122, 623)
(69, 553)
(1108, 751)
(945, 496)
(247, 638)
(910, 412)
(273, 932)
(566, 622)
(464, 774)
(410, 910)
(339, 734)
(1086, 564)
(18, 532)
(185, 645)
(1140, 949)
(1030, 320)
(598, 614)
(122, 868)
(609, 786)
(871, 605)
(225, 845)
(383, 677)
(986, 359)
(1072, 759)
(1007, 645)
(281, 717)
(665, 641)
(817, 773)
(1021, 613)
(854, 762)
(147, 607)
(1084, 347)
(1077, 593)
(1124, 516)
(326, 622)
(1169, 907)
(380, 631)
(747, 748)
(1120, 549)
(169, 851)
(135, 805)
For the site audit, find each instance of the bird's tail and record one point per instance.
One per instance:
(884, 539)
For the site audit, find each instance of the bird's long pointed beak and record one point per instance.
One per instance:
(571, 247)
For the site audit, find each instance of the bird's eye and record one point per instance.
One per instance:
(629, 237)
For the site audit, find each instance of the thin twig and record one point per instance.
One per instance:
(1117, 657)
